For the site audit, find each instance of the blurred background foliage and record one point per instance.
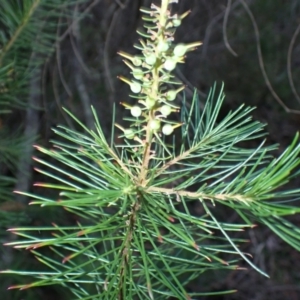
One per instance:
(63, 53)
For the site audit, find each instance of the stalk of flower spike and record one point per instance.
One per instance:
(152, 74)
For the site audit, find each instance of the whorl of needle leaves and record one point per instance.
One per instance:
(144, 241)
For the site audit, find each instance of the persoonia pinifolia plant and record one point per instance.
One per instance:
(137, 236)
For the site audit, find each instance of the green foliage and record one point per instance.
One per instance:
(28, 37)
(136, 236)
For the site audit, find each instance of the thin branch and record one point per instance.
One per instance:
(57, 98)
(77, 51)
(227, 11)
(261, 61)
(79, 64)
(31, 130)
(208, 31)
(65, 34)
(202, 196)
(60, 72)
(106, 50)
(289, 60)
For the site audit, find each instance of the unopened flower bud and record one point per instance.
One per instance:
(167, 129)
(137, 61)
(134, 59)
(150, 59)
(154, 125)
(181, 49)
(165, 110)
(129, 134)
(170, 64)
(137, 73)
(135, 87)
(176, 22)
(135, 111)
(150, 102)
(171, 95)
(162, 46)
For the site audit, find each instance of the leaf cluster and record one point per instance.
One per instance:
(28, 37)
(145, 241)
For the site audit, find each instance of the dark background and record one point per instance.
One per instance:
(253, 47)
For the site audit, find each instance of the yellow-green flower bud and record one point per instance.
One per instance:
(137, 61)
(135, 87)
(165, 110)
(129, 134)
(134, 59)
(154, 125)
(170, 64)
(162, 46)
(176, 22)
(180, 50)
(135, 111)
(137, 73)
(150, 59)
(167, 129)
(171, 95)
(150, 102)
